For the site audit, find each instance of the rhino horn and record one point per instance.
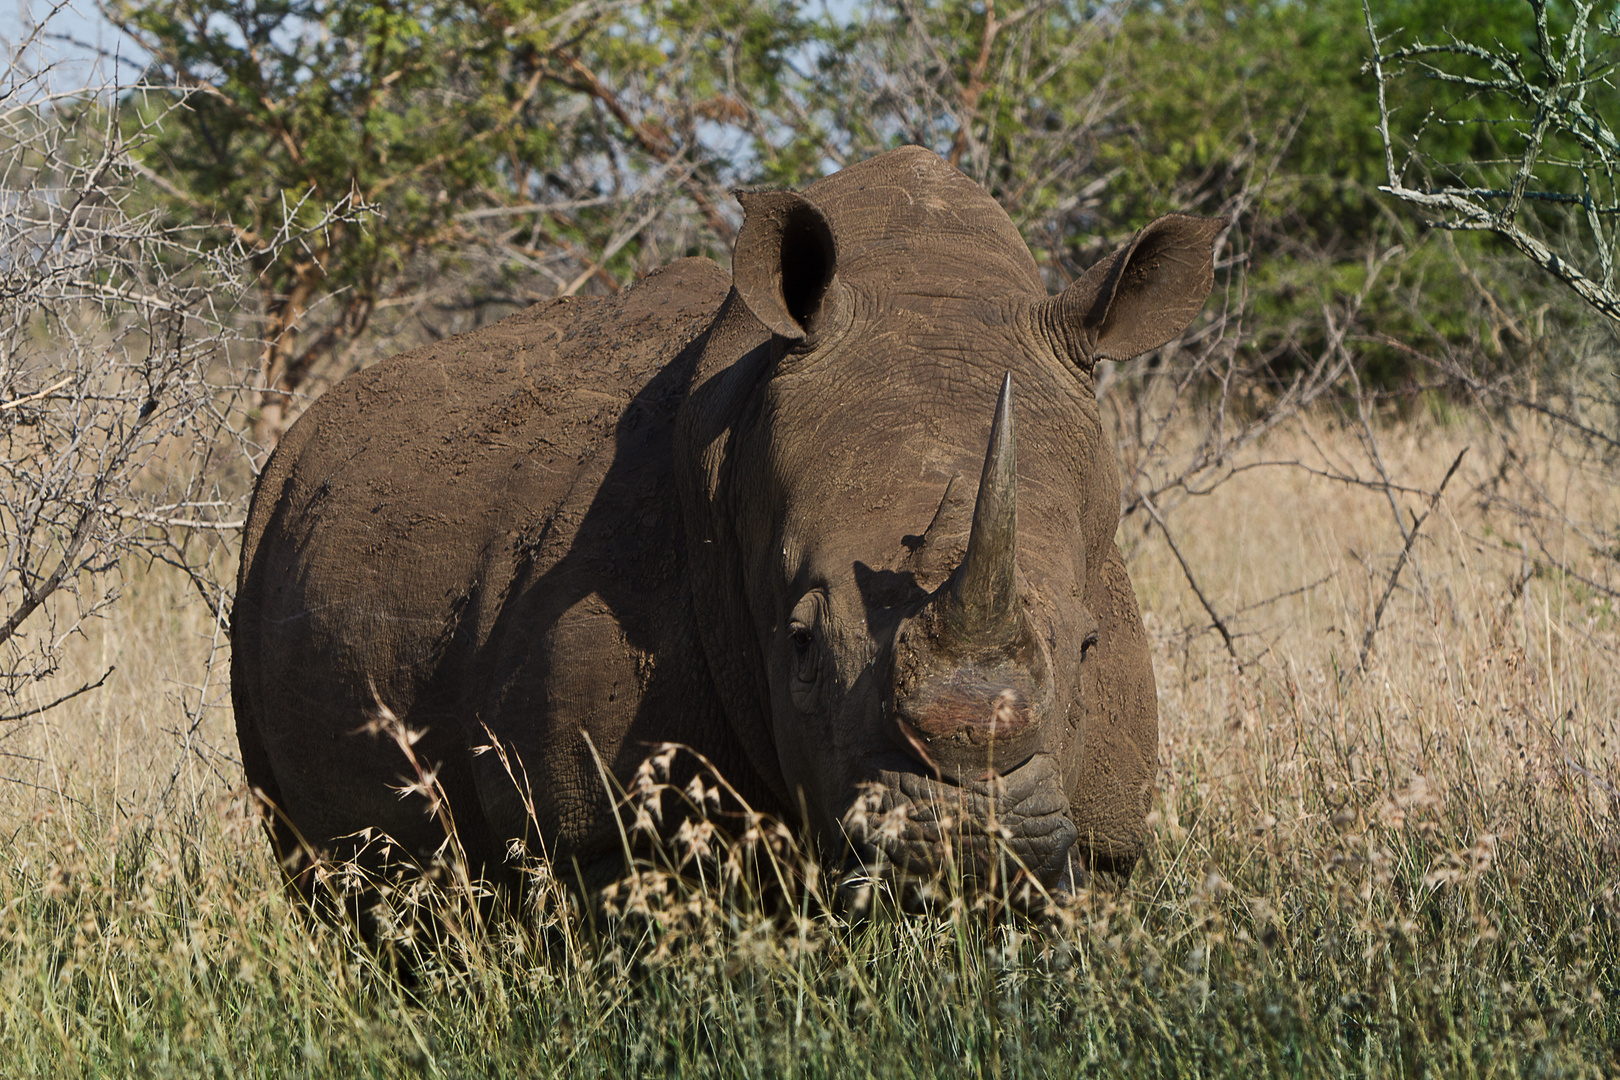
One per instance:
(984, 602)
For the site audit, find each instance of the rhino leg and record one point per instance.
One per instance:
(316, 647)
(1114, 786)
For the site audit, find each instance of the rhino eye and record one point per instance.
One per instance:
(806, 660)
(806, 655)
(1087, 645)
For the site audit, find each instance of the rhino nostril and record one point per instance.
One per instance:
(1087, 645)
(912, 742)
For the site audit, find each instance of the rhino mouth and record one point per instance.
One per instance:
(907, 826)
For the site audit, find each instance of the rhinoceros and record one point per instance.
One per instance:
(842, 523)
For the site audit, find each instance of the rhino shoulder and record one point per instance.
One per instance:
(541, 388)
(396, 512)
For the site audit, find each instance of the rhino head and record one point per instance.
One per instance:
(900, 510)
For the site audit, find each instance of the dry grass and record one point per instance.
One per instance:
(1404, 870)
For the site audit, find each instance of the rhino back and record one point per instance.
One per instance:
(481, 536)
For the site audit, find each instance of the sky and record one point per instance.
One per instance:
(83, 47)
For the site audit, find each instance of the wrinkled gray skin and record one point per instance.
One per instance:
(765, 517)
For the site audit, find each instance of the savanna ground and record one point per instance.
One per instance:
(1408, 869)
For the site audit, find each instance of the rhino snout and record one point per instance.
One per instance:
(972, 722)
(920, 826)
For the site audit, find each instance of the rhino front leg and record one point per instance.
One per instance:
(1113, 786)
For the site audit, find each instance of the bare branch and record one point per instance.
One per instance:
(1544, 101)
(1406, 551)
(1216, 621)
(69, 696)
(117, 396)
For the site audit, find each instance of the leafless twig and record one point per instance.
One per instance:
(1215, 618)
(69, 696)
(116, 390)
(1406, 551)
(1549, 110)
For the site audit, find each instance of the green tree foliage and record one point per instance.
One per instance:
(1087, 121)
(1274, 126)
(438, 158)
(994, 90)
(1277, 126)
(1263, 110)
(503, 142)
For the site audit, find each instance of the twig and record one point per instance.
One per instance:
(85, 689)
(975, 86)
(78, 539)
(613, 247)
(47, 392)
(1406, 551)
(1220, 624)
(1323, 580)
(178, 523)
(1294, 463)
(646, 135)
(1454, 371)
(1543, 196)
(1556, 107)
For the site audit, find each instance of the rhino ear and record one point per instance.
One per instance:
(1141, 296)
(784, 262)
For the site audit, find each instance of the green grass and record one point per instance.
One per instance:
(1401, 940)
